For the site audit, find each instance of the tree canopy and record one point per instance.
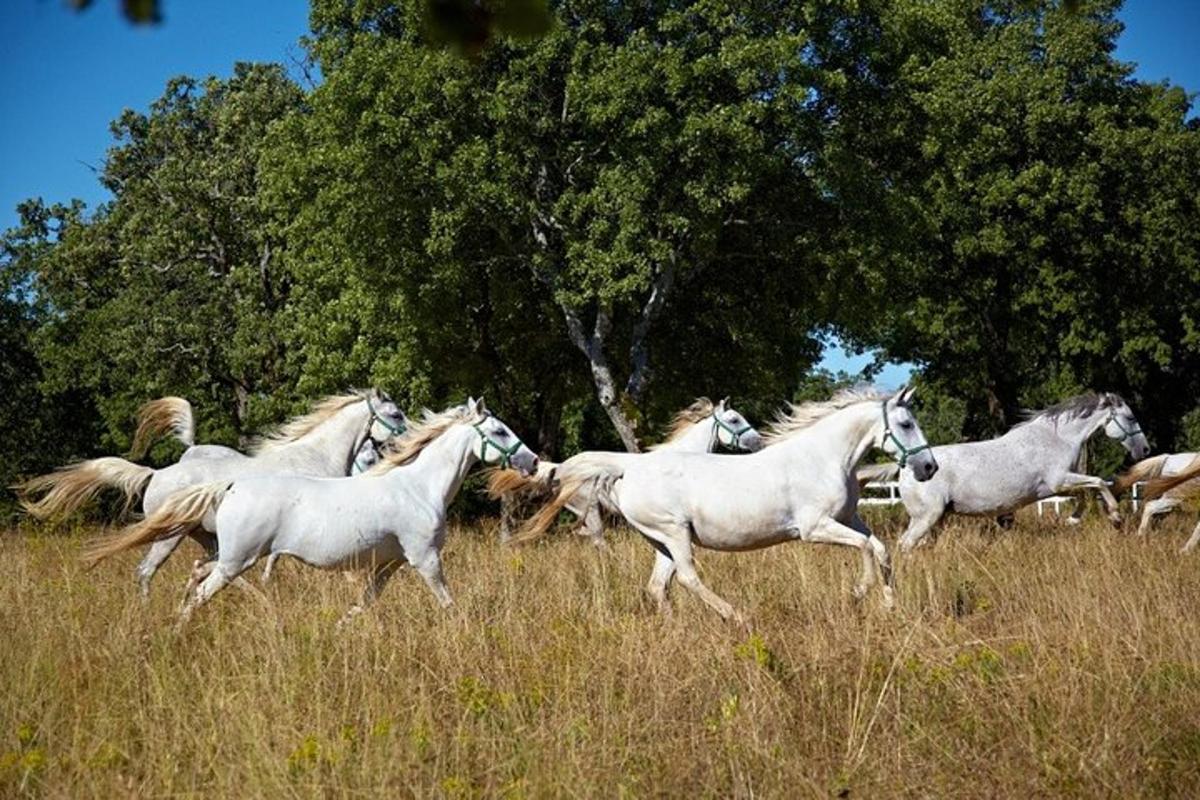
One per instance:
(645, 203)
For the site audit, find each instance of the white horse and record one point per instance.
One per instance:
(380, 520)
(323, 442)
(1032, 461)
(699, 428)
(801, 486)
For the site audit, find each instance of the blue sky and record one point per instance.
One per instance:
(64, 76)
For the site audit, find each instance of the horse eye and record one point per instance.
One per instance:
(906, 425)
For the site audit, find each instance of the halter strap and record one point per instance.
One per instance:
(506, 453)
(358, 467)
(735, 434)
(392, 427)
(1125, 432)
(903, 452)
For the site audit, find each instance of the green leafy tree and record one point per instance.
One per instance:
(1047, 211)
(631, 186)
(173, 286)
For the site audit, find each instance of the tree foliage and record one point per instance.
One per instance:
(646, 203)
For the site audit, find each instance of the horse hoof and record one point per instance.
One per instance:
(859, 592)
(889, 598)
(1074, 521)
(1115, 519)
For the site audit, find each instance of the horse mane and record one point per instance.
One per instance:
(299, 427)
(800, 416)
(1081, 405)
(420, 434)
(700, 410)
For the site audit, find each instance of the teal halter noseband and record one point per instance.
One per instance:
(903, 452)
(392, 427)
(506, 453)
(1125, 432)
(734, 434)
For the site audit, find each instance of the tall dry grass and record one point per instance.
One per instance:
(1039, 662)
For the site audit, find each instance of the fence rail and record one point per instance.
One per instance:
(891, 497)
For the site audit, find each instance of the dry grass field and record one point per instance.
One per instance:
(1043, 661)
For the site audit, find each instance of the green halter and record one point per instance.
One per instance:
(735, 434)
(1125, 432)
(506, 453)
(392, 427)
(902, 451)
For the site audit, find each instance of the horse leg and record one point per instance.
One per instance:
(430, 568)
(1154, 508)
(1193, 541)
(158, 553)
(593, 524)
(379, 578)
(1077, 508)
(660, 581)
(219, 576)
(1074, 481)
(882, 563)
(269, 569)
(677, 540)
(918, 528)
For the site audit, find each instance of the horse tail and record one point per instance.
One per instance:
(504, 482)
(873, 473)
(69, 488)
(1143, 470)
(158, 417)
(181, 512)
(1157, 487)
(599, 473)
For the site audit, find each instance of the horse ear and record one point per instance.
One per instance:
(1106, 399)
(725, 401)
(901, 395)
(481, 407)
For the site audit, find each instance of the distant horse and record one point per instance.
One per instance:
(1168, 465)
(1165, 493)
(801, 486)
(699, 428)
(1032, 461)
(323, 442)
(392, 515)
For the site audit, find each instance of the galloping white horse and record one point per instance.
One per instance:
(323, 442)
(699, 428)
(801, 486)
(380, 520)
(1031, 461)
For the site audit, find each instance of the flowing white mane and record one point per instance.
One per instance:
(800, 417)
(700, 410)
(421, 434)
(299, 427)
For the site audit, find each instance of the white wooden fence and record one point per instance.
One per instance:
(891, 496)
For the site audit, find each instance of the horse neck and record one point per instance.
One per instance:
(698, 438)
(442, 466)
(844, 436)
(1072, 432)
(332, 445)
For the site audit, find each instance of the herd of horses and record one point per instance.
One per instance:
(356, 484)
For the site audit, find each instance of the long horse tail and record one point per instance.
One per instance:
(69, 488)
(1157, 487)
(598, 473)
(159, 417)
(503, 482)
(181, 512)
(1143, 470)
(876, 472)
